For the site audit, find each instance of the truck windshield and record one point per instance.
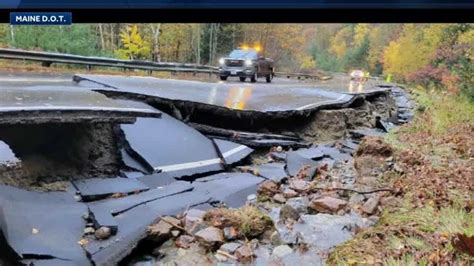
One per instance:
(247, 54)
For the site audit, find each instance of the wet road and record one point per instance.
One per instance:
(280, 95)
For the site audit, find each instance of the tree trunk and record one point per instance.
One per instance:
(12, 35)
(214, 48)
(155, 54)
(102, 40)
(210, 42)
(198, 54)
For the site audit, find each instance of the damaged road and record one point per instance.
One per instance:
(127, 151)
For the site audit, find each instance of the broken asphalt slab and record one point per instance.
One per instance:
(229, 188)
(251, 139)
(7, 157)
(313, 157)
(241, 97)
(272, 171)
(97, 188)
(170, 146)
(133, 226)
(232, 152)
(296, 163)
(157, 180)
(63, 104)
(38, 224)
(115, 206)
(131, 162)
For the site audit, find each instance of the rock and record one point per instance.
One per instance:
(263, 256)
(175, 233)
(300, 204)
(210, 236)
(194, 255)
(370, 206)
(230, 247)
(268, 188)
(275, 238)
(159, 231)
(220, 257)
(397, 168)
(327, 204)
(279, 198)
(193, 221)
(253, 244)
(103, 233)
(289, 193)
(184, 241)
(89, 231)
(390, 201)
(251, 197)
(281, 251)
(244, 253)
(356, 199)
(299, 185)
(288, 212)
(172, 220)
(231, 233)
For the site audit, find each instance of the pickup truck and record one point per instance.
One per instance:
(246, 63)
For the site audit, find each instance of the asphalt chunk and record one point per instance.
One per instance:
(232, 152)
(43, 224)
(49, 104)
(168, 145)
(97, 188)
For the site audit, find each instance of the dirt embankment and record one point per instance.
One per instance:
(51, 154)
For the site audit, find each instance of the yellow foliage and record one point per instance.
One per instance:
(340, 42)
(134, 46)
(307, 62)
(413, 50)
(468, 38)
(360, 31)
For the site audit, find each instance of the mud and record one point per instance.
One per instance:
(52, 154)
(327, 125)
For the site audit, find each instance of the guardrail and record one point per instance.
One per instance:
(48, 58)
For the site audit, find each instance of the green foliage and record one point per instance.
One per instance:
(356, 57)
(77, 39)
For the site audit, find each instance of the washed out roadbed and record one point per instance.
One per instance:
(432, 220)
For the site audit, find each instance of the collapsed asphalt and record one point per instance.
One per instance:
(155, 153)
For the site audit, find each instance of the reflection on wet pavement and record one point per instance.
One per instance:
(261, 97)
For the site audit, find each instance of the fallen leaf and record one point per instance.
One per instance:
(463, 243)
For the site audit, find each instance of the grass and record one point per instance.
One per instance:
(248, 220)
(436, 152)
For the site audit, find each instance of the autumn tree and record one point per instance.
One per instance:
(133, 45)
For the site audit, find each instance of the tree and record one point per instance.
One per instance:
(134, 47)
(155, 50)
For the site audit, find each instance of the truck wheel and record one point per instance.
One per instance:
(242, 79)
(254, 77)
(223, 77)
(269, 78)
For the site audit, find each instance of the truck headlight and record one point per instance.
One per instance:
(221, 61)
(248, 62)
